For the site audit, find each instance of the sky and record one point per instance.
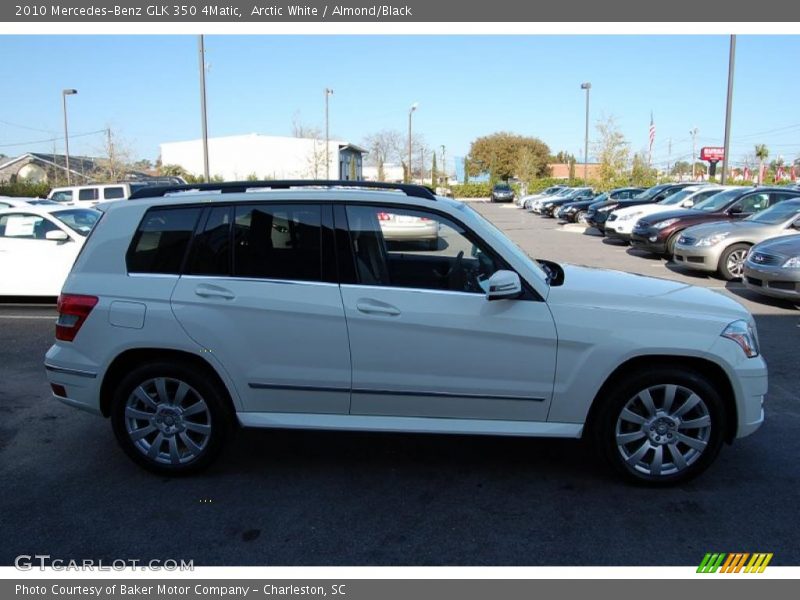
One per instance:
(146, 89)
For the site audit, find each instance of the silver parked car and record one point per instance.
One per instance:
(772, 268)
(722, 247)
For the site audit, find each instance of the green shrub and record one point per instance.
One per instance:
(24, 189)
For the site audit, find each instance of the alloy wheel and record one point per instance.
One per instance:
(735, 262)
(168, 421)
(663, 430)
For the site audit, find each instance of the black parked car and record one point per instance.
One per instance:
(598, 212)
(575, 212)
(549, 207)
(502, 192)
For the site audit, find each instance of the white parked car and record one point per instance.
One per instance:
(38, 245)
(15, 202)
(621, 222)
(287, 309)
(405, 228)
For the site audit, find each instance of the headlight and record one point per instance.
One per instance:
(710, 240)
(628, 217)
(792, 263)
(606, 208)
(666, 223)
(743, 334)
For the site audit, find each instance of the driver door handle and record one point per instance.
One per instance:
(213, 291)
(375, 307)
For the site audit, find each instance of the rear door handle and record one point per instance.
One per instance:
(213, 291)
(375, 307)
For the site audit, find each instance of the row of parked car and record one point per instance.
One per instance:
(748, 233)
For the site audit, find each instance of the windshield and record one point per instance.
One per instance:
(503, 187)
(650, 192)
(601, 198)
(718, 201)
(80, 220)
(564, 192)
(677, 198)
(775, 215)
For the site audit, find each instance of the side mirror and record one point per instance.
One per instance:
(56, 235)
(504, 285)
(735, 210)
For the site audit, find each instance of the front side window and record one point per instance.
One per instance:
(752, 203)
(62, 196)
(25, 226)
(278, 242)
(399, 247)
(160, 243)
(88, 194)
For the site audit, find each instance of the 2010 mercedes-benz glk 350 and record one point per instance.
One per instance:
(190, 311)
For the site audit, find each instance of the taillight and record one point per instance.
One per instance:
(382, 216)
(72, 312)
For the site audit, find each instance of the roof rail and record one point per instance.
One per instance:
(232, 187)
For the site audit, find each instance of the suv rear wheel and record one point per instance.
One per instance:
(661, 427)
(170, 418)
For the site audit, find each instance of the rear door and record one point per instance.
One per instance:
(259, 290)
(424, 340)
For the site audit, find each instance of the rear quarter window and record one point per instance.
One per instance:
(113, 193)
(160, 242)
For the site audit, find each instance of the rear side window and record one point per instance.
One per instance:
(113, 193)
(87, 194)
(160, 243)
(278, 242)
(211, 248)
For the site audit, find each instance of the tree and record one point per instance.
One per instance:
(762, 153)
(384, 147)
(172, 171)
(611, 150)
(434, 174)
(563, 157)
(115, 158)
(642, 174)
(466, 171)
(527, 166)
(499, 155)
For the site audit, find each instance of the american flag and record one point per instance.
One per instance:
(652, 137)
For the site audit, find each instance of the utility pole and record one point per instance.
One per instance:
(693, 133)
(64, 94)
(110, 145)
(728, 106)
(328, 94)
(669, 156)
(203, 115)
(410, 112)
(586, 86)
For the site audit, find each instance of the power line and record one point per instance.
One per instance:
(54, 139)
(4, 122)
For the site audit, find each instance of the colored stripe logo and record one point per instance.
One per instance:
(735, 562)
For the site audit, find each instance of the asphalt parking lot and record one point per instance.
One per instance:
(315, 498)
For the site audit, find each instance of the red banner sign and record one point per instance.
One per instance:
(712, 153)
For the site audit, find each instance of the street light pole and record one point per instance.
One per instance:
(693, 133)
(586, 86)
(203, 115)
(444, 165)
(64, 94)
(728, 106)
(328, 94)
(410, 112)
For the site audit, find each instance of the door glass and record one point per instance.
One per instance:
(25, 226)
(278, 242)
(113, 193)
(753, 203)
(87, 194)
(211, 253)
(416, 249)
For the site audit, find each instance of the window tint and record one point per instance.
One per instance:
(278, 242)
(753, 203)
(87, 194)
(211, 248)
(25, 226)
(416, 249)
(161, 240)
(113, 193)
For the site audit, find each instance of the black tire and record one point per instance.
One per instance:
(669, 250)
(724, 269)
(578, 216)
(216, 415)
(608, 423)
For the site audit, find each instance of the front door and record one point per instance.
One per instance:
(424, 340)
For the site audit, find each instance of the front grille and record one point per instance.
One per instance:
(754, 281)
(760, 258)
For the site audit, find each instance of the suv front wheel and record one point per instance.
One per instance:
(170, 418)
(661, 427)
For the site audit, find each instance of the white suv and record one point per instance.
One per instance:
(288, 308)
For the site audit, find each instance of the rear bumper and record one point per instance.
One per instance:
(80, 379)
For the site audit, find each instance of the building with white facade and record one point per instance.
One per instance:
(238, 157)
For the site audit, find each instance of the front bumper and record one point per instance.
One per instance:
(597, 220)
(697, 258)
(614, 234)
(771, 281)
(648, 239)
